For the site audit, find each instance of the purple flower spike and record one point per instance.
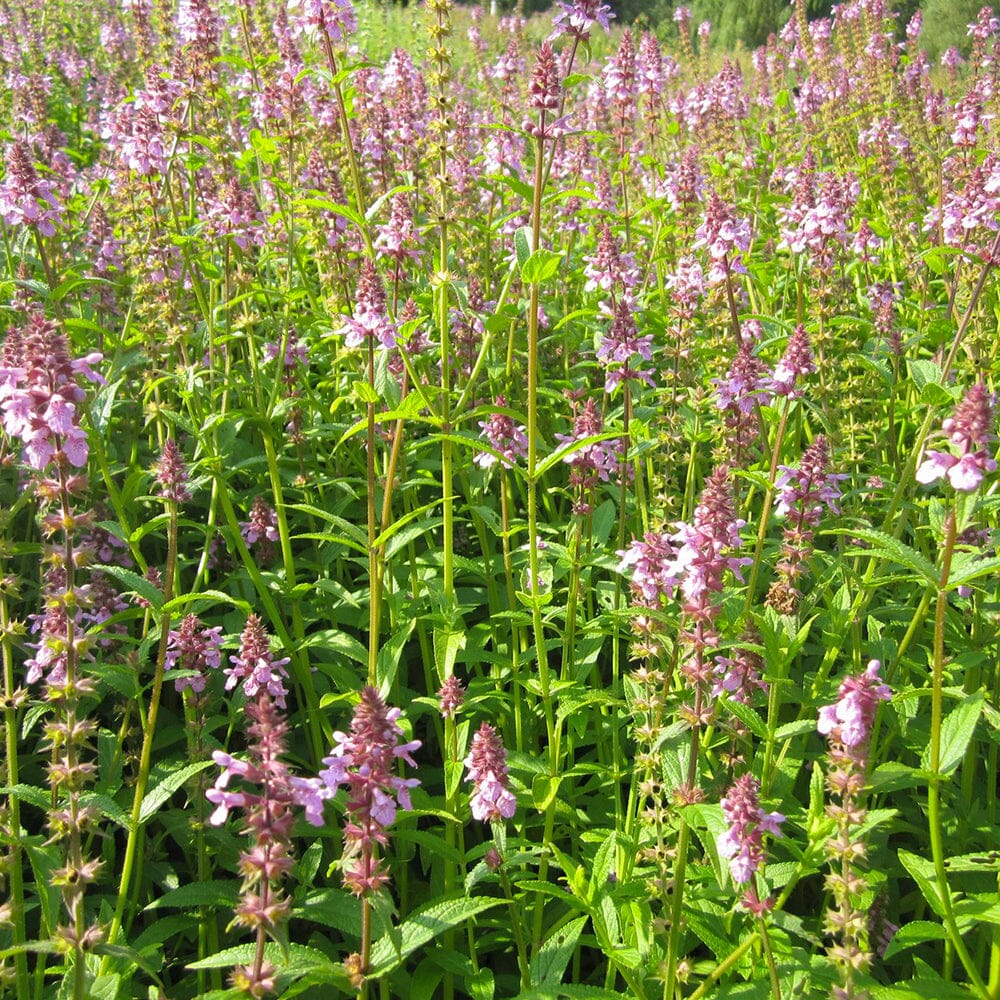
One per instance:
(486, 767)
(968, 430)
(255, 666)
(743, 843)
(849, 721)
(364, 760)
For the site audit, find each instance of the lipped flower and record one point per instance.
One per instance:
(255, 666)
(486, 768)
(850, 719)
(364, 760)
(742, 845)
(503, 436)
(968, 431)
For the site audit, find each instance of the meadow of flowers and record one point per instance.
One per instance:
(496, 508)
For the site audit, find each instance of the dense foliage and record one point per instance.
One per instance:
(496, 509)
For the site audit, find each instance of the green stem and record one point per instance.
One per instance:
(14, 873)
(936, 777)
(148, 736)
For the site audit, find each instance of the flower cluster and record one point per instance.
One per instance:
(968, 430)
(193, 648)
(255, 666)
(847, 725)
(25, 198)
(171, 473)
(268, 817)
(486, 768)
(40, 394)
(743, 843)
(503, 436)
(370, 319)
(364, 760)
(262, 527)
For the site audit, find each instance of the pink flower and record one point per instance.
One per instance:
(364, 760)
(255, 666)
(743, 843)
(849, 721)
(486, 767)
(969, 431)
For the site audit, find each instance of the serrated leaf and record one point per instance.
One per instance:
(798, 728)
(301, 959)
(331, 908)
(544, 788)
(522, 245)
(569, 991)
(921, 989)
(957, 731)
(213, 892)
(891, 549)
(549, 964)
(923, 372)
(164, 781)
(135, 584)
(540, 266)
(748, 717)
(481, 985)
(922, 872)
(421, 927)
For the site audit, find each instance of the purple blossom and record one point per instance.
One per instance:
(726, 236)
(370, 319)
(810, 487)
(486, 768)
(620, 345)
(364, 760)
(39, 394)
(849, 720)
(577, 18)
(969, 432)
(649, 563)
(255, 666)
(743, 843)
(262, 525)
(195, 648)
(333, 18)
(296, 352)
(744, 386)
(398, 239)
(25, 198)
(503, 436)
(171, 473)
(796, 362)
(450, 697)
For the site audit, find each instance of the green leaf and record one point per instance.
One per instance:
(421, 927)
(389, 656)
(549, 965)
(748, 717)
(540, 266)
(956, 733)
(570, 991)
(165, 780)
(481, 985)
(544, 788)
(922, 872)
(886, 547)
(522, 245)
(922, 989)
(136, 584)
(790, 729)
(924, 372)
(213, 892)
(332, 908)
(300, 959)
